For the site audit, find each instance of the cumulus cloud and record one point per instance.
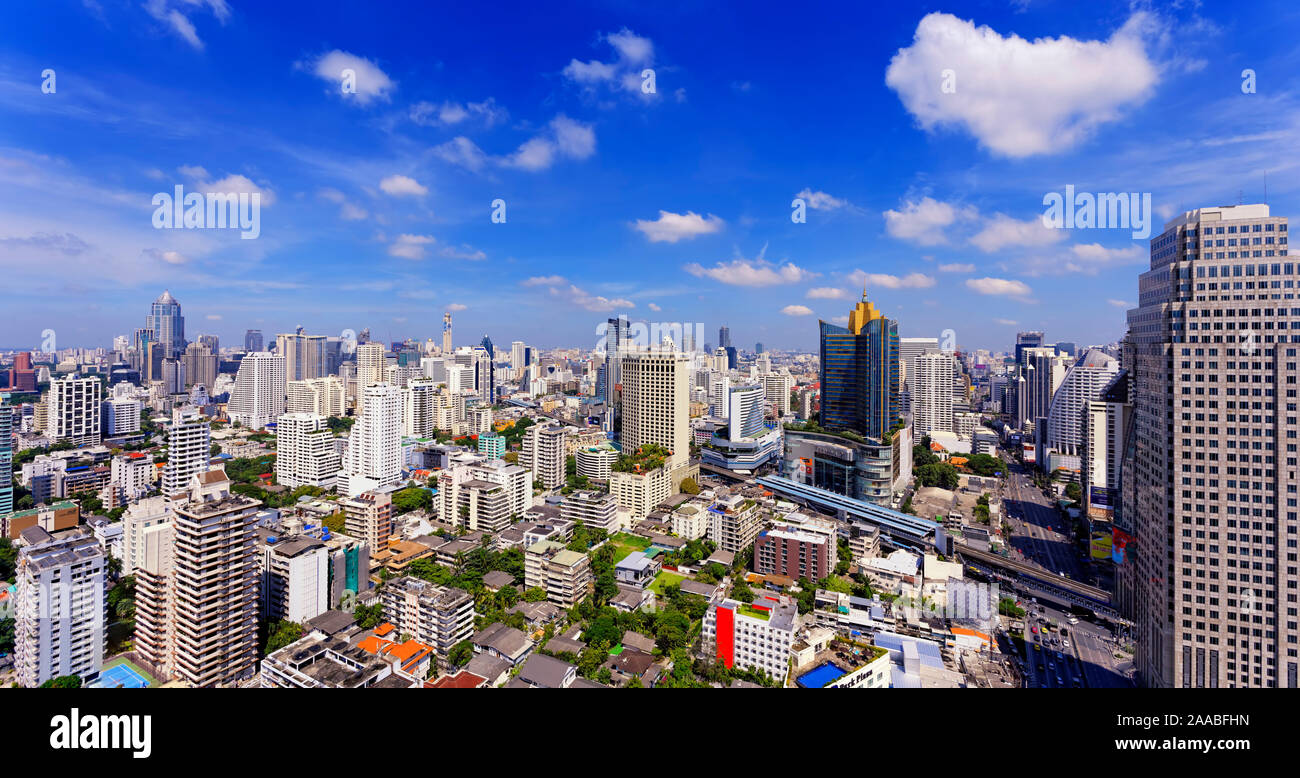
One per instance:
(634, 54)
(820, 201)
(999, 286)
(543, 281)
(347, 210)
(463, 251)
(1006, 322)
(924, 221)
(745, 272)
(887, 281)
(1018, 97)
(463, 152)
(402, 186)
(1002, 231)
(957, 267)
(654, 307)
(372, 83)
(1120, 303)
(564, 138)
(410, 246)
(170, 257)
(797, 310)
(672, 227)
(231, 184)
(457, 307)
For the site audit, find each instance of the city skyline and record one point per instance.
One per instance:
(377, 205)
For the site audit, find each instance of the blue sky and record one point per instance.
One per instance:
(668, 206)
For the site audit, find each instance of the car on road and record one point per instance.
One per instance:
(1074, 620)
(1065, 644)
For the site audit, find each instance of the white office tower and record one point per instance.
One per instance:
(908, 350)
(434, 368)
(1083, 383)
(655, 402)
(131, 476)
(60, 606)
(480, 421)
(371, 364)
(305, 453)
(295, 579)
(321, 396)
(258, 396)
(776, 388)
(460, 379)
(304, 355)
(517, 349)
(449, 412)
(543, 452)
(73, 407)
(483, 375)
(719, 396)
(374, 456)
(189, 443)
(419, 408)
(1042, 375)
(120, 415)
(136, 521)
(400, 375)
(745, 412)
(932, 394)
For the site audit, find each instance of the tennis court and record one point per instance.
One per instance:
(120, 676)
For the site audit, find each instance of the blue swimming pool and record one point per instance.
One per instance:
(820, 676)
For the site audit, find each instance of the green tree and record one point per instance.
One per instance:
(535, 594)
(369, 616)
(7, 627)
(689, 486)
(412, 498)
(940, 474)
(281, 634)
(460, 653)
(63, 682)
(8, 559)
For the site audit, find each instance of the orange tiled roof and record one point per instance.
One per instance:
(384, 629)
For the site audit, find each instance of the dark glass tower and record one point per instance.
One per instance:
(859, 373)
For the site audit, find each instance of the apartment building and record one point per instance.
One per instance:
(594, 509)
(73, 408)
(757, 635)
(189, 443)
(60, 605)
(543, 452)
(438, 616)
(369, 518)
(795, 553)
(295, 578)
(565, 575)
(305, 452)
(734, 522)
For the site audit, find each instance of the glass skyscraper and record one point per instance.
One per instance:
(167, 324)
(859, 373)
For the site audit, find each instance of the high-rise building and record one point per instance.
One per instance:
(656, 401)
(74, 408)
(776, 390)
(60, 607)
(374, 456)
(1027, 340)
(372, 365)
(617, 340)
(860, 373)
(1210, 473)
(368, 517)
(724, 337)
(200, 361)
(932, 394)
(140, 517)
(446, 332)
(209, 635)
(305, 453)
(6, 456)
(543, 452)
(321, 396)
(908, 350)
(167, 325)
(304, 355)
(1041, 375)
(294, 581)
(253, 341)
(1084, 382)
(1105, 425)
(189, 443)
(259, 393)
(419, 408)
(745, 411)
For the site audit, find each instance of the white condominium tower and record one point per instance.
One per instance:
(321, 396)
(374, 455)
(908, 350)
(60, 605)
(73, 408)
(776, 388)
(371, 364)
(932, 394)
(305, 454)
(258, 396)
(189, 443)
(1209, 482)
(419, 408)
(1083, 383)
(543, 452)
(656, 400)
(304, 355)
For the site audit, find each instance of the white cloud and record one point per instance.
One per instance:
(797, 310)
(672, 227)
(1006, 322)
(744, 272)
(595, 303)
(887, 281)
(402, 186)
(999, 286)
(1002, 231)
(170, 257)
(820, 201)
(1096, 254)
(1019, 97)
(179, 23)
(654, 307)
(827, 293)
(347, 211)
(235, 184)
(457, 307)
(213, 317)
(1120, 303)
(544, 281)
(372, 83)
(563, 138)
(957, 267)
(410, 246)
(463, 251)
(923, 221)
(840, 320)
(634, 54)
(448, 113)
(463, 152)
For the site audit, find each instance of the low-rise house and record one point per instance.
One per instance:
(545, 672)
(636, 570)
(502, 641)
